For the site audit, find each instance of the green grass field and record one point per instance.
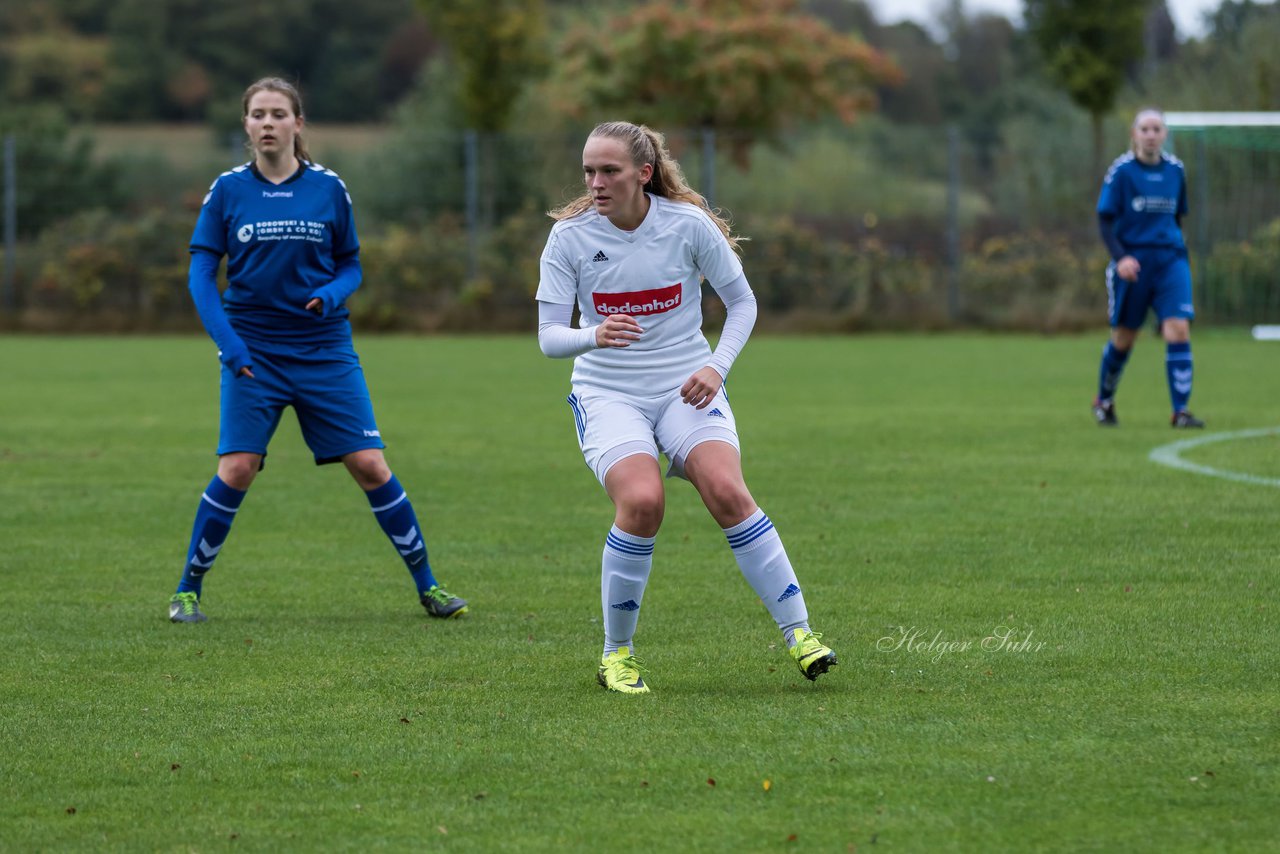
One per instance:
(933, 492)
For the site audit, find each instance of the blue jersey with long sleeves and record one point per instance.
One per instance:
(1145, 201)
(286, 244)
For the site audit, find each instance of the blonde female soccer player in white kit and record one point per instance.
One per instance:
(632, 252)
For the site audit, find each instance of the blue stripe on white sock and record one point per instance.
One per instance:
(752, 533)
(628, 547)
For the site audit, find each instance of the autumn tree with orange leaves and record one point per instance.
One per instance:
(748, 69)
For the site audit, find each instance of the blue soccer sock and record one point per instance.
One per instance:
(1178, 368)
(624, 573)
(395, 514)
(217, 510)
(1113, 362)
(764, 563)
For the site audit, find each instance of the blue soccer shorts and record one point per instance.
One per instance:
(1164, 284)
(324, 385)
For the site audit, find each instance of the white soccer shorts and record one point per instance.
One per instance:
(611, 427)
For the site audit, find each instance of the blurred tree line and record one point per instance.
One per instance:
(835, 137)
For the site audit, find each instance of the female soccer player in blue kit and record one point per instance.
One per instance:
(632, 252)
(1140, 210)
(286, 227)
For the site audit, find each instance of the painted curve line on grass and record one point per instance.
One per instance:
(1169, 455)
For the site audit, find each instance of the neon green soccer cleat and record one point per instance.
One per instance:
(441, 603)
(811, 656)
(185, 608)
(619, 671)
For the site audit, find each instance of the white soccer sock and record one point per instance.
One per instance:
(624, 572)
(764, 563)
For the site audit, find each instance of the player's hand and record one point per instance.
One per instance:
(1128, 268)
(618, 330)
(700, 388)
(245, 372)
(316, 304)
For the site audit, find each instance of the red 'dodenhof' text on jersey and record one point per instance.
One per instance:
(653, 274)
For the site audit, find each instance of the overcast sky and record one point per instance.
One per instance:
(1186, 13)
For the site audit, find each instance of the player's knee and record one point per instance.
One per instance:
(727, 498)
(641, 512)
(1176, 330)
(238, 470)
(1122, 338)
(368, 467)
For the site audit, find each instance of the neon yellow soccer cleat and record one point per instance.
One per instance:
(185, 608)
(811, 656)
(443, 604)
(619, 671)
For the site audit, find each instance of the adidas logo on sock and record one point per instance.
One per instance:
(791, 590)
(600, 256)
(630, 605)
(716, 413)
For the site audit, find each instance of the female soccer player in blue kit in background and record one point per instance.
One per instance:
(286, 227)
(1140, 210)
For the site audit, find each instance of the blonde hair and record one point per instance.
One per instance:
(646, 145)
(284, 87)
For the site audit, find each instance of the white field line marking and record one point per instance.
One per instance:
(1169, 455)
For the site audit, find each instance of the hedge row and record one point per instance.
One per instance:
(98, 272)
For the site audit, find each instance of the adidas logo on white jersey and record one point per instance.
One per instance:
(600, 256)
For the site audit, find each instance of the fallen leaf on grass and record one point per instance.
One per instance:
(404, 720)
(71, 810)
(174, 767)
(480, 796)
(711, 781)
(442, 829)
(768, 784)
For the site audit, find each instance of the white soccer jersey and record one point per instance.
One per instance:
(653, 274)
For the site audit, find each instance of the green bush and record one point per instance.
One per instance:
(1033, 281)
(1237, 280)
(95, 270)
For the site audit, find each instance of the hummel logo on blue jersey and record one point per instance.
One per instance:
(791, 590)
(630, 605)
(600, 256)
(716, 413)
